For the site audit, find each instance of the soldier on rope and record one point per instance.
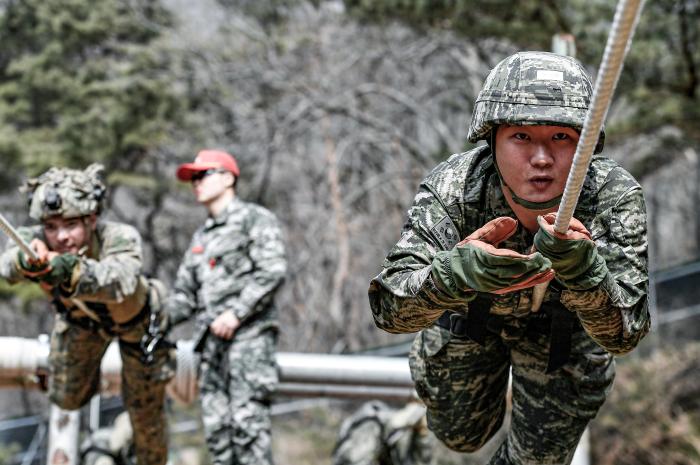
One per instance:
(463, 271)
(92, 272)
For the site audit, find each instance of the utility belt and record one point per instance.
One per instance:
(553, 319)
(104, 324)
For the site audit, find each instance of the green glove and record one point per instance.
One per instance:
(574, 255)
(477, 264)
(61, 270)
(31, 270)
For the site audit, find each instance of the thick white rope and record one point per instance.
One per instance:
(12, 233)
(619, 40)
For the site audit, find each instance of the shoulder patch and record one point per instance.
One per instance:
(446, 233)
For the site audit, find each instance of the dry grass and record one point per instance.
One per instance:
(653, 414)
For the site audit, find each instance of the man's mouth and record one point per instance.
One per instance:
(541, 182)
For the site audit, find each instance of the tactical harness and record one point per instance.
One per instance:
(468, 214)
(553, 319)
(108, 328)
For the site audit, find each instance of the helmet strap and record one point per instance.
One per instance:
(553, 202)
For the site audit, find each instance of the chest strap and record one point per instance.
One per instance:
(104, 321)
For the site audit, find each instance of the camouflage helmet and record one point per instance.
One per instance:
(66, 192)
(533, 88)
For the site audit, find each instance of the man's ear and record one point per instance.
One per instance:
(230, 179)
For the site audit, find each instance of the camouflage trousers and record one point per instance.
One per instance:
(75, 357)
(236, 382)
(464, 386)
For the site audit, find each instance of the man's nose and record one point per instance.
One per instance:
(541, 156)
(62, 234)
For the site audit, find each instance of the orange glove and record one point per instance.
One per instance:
(478, 264)
(32, 268)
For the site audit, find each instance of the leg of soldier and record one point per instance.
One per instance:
(215, 400)
(551, 411)
(235, 384)
(74, 363)
(143, 390)
(462, 384)
(253, 378)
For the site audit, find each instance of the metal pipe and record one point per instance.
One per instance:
(22, 357)
(345, 391)
(344, 369)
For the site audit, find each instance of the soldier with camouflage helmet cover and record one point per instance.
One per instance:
(463, 271)
(377, 434)
(227, 280)
(92, 271)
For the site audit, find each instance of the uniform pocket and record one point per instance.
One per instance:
(590, 376)
(429, 368)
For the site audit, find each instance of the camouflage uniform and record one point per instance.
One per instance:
(379, 435)
(121, 302)
(460, 360)
(236, 261)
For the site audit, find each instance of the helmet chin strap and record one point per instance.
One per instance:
(553, 202)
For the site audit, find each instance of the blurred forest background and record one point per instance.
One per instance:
(335, 110)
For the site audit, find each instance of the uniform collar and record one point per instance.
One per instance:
(221, 218)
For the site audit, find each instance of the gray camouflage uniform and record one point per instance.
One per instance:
(236, 261)
(379, 435)
(112, 287)
(463, 382)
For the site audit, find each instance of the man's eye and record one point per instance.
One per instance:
(560, 136)
(520, 136)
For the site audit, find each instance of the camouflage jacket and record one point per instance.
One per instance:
(236, 261)
(377, 434)
(110, 280)
(462, 194)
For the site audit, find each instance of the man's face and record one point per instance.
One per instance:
(68, 235)
(210, 185)
(535, 160)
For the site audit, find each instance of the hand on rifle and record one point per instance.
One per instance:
(225, 325)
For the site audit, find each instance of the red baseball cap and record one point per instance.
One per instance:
(206, 160)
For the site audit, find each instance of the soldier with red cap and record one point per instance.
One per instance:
(227, 280)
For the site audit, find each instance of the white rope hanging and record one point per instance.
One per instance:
(619, 40)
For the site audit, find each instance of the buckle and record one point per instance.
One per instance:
(458, 325)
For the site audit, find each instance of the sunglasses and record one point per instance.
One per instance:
(199, 175)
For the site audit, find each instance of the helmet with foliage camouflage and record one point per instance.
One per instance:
(66, 192)
(533, 88)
